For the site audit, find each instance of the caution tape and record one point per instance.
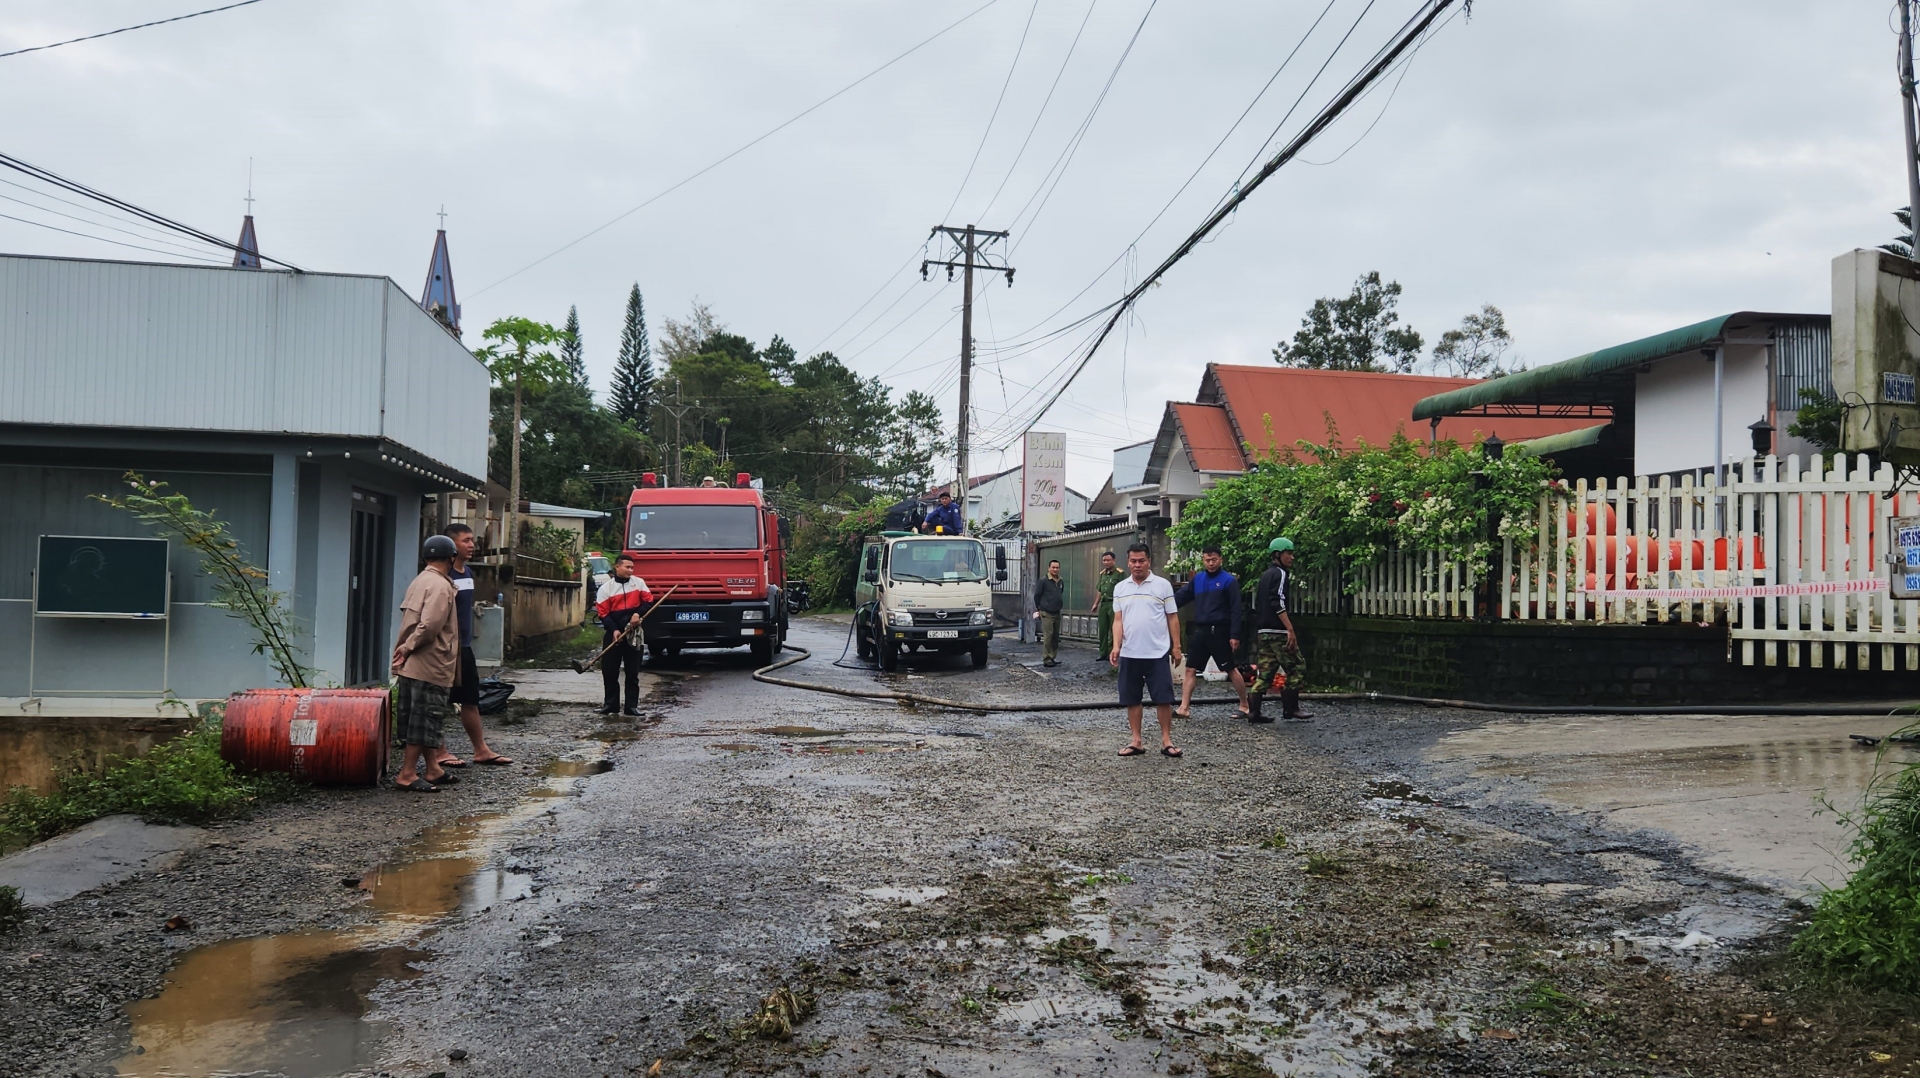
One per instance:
(1753, 591)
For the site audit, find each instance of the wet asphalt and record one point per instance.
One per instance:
(772, 880)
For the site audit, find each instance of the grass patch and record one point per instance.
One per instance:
(1548, 1000)
(13, 910)
(1324, 867)
(179, 781)
(1275, 841)
(1866, 933)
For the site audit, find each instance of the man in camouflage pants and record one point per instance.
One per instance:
(1278, 663)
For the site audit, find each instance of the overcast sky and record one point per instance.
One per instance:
(1598, 170)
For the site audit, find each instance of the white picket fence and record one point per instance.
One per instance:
(1790, 557)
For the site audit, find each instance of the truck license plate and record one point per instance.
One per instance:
(690, 615)
(943, 634)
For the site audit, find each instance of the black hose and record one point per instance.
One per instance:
(764, 674)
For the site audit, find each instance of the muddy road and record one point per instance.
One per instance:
(755, 880)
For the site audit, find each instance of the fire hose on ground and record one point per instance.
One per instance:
(765, 674)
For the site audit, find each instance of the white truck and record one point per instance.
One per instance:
(924, 593)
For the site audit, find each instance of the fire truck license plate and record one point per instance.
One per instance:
(690, 615)
(943, 634)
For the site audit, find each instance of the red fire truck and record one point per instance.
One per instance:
(726, 551)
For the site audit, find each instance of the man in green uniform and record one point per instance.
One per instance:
(1279, 664)
(1110, 575)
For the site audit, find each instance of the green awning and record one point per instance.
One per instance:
(1565, 441)
(1604, 377)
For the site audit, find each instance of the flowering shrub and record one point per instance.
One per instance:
(1348, 506)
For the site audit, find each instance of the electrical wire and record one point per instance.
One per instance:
(1410, 34)
(743, 148)
(125, 29)
(1043, 111)
(1065, 160)
(103, 239)
(997, 102)
(182, 248)
(56, 180)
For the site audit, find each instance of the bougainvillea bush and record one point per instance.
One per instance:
(1348, 506)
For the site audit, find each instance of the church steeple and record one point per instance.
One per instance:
(437, 298)
(248, 256)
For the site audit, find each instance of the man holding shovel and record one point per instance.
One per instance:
(618, 605)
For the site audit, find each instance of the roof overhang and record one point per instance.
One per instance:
(1598, 384)
(1584, 438)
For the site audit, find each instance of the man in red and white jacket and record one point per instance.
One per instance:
(618, 605)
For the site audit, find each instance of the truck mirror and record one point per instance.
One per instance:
(1000, 559)
(1000, 576)
(873, 559)
(872, 576)
(786, 530)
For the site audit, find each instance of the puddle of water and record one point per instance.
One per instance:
(34, 751)
(797, 731)
(911, 896)
(294, 1005)
(1743, 791)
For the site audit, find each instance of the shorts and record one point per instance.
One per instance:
(1153, 675)
(467, 691)
(1205, 642)
(420, 712)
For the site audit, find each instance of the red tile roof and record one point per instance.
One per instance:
(1208, 434)
(1363, 407)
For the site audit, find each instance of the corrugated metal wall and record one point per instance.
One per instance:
(1803, 358)
(118, 344)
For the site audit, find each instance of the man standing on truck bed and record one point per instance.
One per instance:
(618, 606)
(944, 519)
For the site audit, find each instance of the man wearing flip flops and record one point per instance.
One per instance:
(426, 664)
(1146, 634)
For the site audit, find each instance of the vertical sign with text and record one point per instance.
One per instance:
(1043, 484)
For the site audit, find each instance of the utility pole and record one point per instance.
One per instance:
(1907, 116)
(676, 409)
(970, 242)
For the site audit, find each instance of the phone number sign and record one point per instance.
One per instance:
(1905, 557)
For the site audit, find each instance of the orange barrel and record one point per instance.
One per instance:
(335, 737)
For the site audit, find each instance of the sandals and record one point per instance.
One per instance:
(1183, 714)
(418, 786)
(453, 761)
(1133, 750)
(1242, 714)
(495, 761)
(1172, 751)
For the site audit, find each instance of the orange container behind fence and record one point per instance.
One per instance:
(331, 737)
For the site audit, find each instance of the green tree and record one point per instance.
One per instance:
(633, 388)
(1357, 333)
(1819, 419)
(570, 349)
(683, 339)
(1477, 347)
(1902, 244)
(520, 357)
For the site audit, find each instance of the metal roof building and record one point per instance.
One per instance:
(311, 411)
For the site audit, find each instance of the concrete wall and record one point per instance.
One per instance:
(1563, 664)
(1673, 410)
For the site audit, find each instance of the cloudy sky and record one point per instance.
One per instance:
(1598, 170)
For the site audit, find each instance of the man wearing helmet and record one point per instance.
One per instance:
(426, 664)
(1277, 660)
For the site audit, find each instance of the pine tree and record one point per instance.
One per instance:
(633, 384)
(570, 350)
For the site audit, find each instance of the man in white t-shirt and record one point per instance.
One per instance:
(1146, 642)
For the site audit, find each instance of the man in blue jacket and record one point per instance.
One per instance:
(1214, 595)
(944, 517)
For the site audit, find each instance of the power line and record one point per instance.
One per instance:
(125, 29)
(74, 186)
(1043, 109)
(103, 239)
(1011, 68)
(769, 133)
(1409, 34)
(182, 248)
